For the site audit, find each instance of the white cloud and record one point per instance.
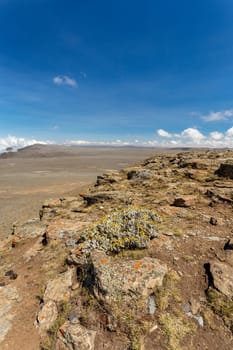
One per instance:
(192, 137)
(229, 133)
(217, 116)
(65, 80)
(18, 142)
(215, 135)
(163, 133)
(192, 134)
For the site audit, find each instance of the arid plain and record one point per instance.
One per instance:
(38, 172)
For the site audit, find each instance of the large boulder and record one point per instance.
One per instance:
(225, 170)
(111, 279)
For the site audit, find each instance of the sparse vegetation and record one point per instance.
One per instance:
(176, 327)
(125, 229)
(221, 305)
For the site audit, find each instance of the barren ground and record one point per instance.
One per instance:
(36, 173)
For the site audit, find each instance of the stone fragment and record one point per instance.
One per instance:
(213, 221)
(11, 274)
(184, 202)
(139, 174)
(194, 305)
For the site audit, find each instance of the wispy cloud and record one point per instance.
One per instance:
(218, 116)
(65, 80)
(83, 75)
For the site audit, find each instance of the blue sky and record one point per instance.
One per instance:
(159, 72)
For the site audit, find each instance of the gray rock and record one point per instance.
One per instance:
(76, 337)
(151, 305)
(139, 174)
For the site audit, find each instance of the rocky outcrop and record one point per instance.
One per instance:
(225, 170)
(135, 244)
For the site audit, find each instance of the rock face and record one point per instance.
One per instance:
(225, 170)
(110, 279)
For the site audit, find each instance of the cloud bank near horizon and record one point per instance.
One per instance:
(190, 137)
(15, 143)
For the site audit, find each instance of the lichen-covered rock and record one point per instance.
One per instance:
(110, 279)
(59, 288)
(126, 229)
(223, 277)
(75, 337)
